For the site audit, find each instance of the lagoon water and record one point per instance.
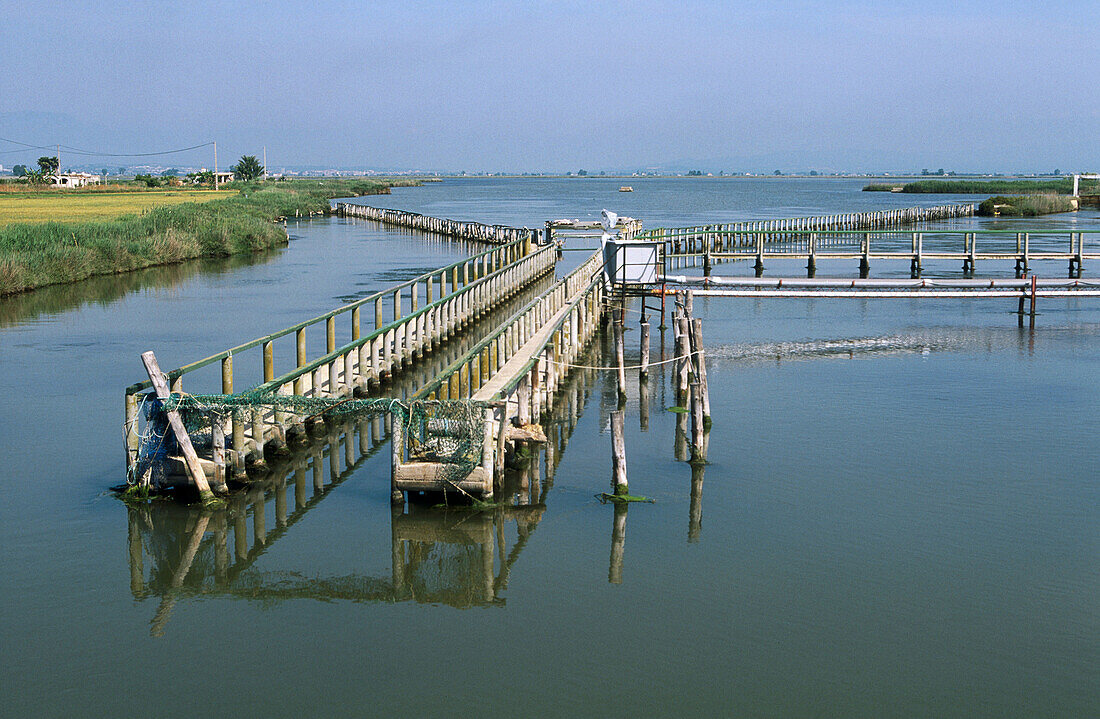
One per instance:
(900, 516)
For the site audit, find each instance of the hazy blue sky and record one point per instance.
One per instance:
(847, 85)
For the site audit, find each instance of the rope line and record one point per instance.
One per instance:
(616, 367)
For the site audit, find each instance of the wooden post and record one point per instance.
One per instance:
(133, 439)
(701, 371)
(619, 354)
(644, 342)
(217, 436)
(194, 468)
(698, 441)
(619, 483)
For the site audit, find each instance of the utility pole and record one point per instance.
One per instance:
(265, 163)
(215, 164)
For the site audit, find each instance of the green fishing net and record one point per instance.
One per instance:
(447, 432)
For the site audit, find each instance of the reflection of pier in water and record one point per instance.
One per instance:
(455, 556)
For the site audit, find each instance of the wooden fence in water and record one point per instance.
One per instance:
(879, 220)
(475, 231)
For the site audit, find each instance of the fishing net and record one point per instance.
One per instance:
(450, 433)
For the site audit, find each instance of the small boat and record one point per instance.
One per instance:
(626, 188)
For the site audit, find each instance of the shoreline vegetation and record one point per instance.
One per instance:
(38, 254)
(1025, 205)
(1063, 186)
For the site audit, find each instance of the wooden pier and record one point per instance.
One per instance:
(967, 248)
(497, 334)
(473, 231)
(175, 553)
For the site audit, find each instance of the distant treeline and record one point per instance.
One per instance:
(1062, 186)
(34, 255)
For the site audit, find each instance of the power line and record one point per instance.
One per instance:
(78, 151)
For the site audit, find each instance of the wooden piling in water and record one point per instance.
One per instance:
(619, 357)
(194, 468)
(698, 438)
(619, 484)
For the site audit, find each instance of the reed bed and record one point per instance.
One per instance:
(38, 254)
(1062, 186)
(1025, 205)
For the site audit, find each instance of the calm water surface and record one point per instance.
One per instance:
(899, 517)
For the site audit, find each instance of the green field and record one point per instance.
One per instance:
(79, 206)
(35, 254)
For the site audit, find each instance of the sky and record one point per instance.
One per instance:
(734, 86)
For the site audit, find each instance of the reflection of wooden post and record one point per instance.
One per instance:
(259, 520)
(618, 544)
(643, 403)
(618, 454)
(318, 479)
(487, 577)
(137, 559)
(240, 532)
(680, 444)
(397, 557)
(300, 484)
(280, 499)
(695, 513)
(221, 548)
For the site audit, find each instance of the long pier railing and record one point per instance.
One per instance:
(965, 247)
(737, 233)
(474, 231)
(466, 289)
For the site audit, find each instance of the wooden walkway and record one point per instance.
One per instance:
(428, 342)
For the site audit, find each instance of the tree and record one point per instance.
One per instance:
(248, 168)
(20, 170)
(105, 172)
(202, 177)
(48, 165)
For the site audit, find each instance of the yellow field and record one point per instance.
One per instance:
(78, 206)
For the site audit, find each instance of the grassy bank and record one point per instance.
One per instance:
(1025, 205)
(1062, 186)
(38, 254)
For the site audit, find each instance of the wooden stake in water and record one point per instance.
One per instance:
(644, 343)
(618, 455)
(698, 441)
(701, 368)
(194, 468)
(619, 357)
